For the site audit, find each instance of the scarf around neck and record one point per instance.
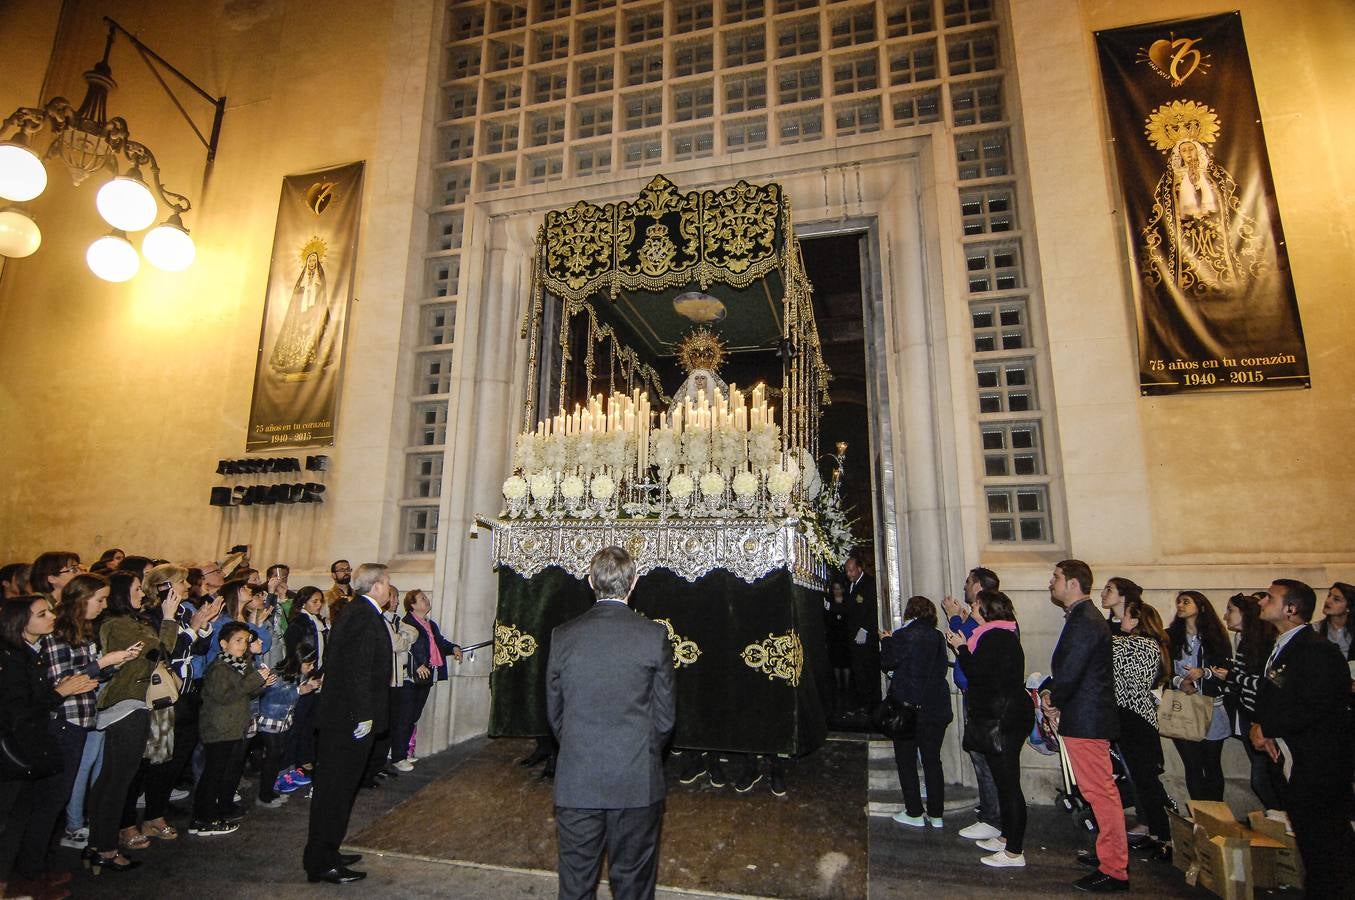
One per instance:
(986, 627)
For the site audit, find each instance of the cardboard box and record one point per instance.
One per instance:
(1222, 855)
(1286, 865)
(1183, 844)
(1225, 865)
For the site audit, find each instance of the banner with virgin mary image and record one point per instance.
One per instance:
(310, 283)
(1215, 298)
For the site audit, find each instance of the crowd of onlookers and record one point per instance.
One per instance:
(1277, 681)
(136, 682)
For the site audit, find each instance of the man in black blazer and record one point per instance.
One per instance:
(863, 632)
(354, 708)
(1079, 699)
(609, 700)
(1302, 700)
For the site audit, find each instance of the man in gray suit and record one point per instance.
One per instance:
(609, 698)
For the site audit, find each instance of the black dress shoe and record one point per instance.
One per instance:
(336, 875)
(535, 758)
(347, 859)
(1088, 858)
(1100, 883)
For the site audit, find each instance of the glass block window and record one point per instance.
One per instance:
(458, 102)
(421, 529)
(644, 66)
(428, 424)
(1000, 326)
(1011, 448)
(455, 185)
(693, 59)
(982, 155)
(546, 167)
(551, 9)
(745, 93)
(592, 160)
(743, 10)
(860, 117)
(857, 27)
(917, 107)
(797, 83)
(434, 373)
(592, 119)
(855, 75)
(798, 37)
(993, 267)
(598, 35)
(500, 136)
(693, 101)
(546, 128)
(1007, 387)
(645, 25)
(988, 210)
(466, 23)
(643, 111)
(437, 324)
(1019, 514)
(497, 176)
(801, 125)
(463, 62)
(976, 103)
(592, 78)
(967, 12)
(458, 143)
(642, 151)
(744, 48)
(509, 15)
(504, 55)
(444, 273)
(912, 63)
(548, 86)
(746, 134)
(689, 17)
(971, 52)
(696, 144)
(502, 95)
(905, 17)
(448, 228)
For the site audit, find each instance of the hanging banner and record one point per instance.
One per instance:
(1215, 299)
(310, 282)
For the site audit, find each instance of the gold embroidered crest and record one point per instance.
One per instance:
(779, 656)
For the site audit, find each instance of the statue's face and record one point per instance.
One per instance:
(1189, 154)
(312, 260)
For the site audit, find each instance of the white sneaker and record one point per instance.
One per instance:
(979, 831)
(179, 794)
(77, 839)
(237, 796)
(1001, 859)
(992, 844)
(935, 823)
(903, 818)
(404, 765)
(141, 802)
(412, 758)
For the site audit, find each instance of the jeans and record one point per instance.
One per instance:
(274, 757)
(927, 743)
(1267, 778)
(91, 763)
(224, 763)
(49, 799)
(407, 705)
(1005, 769)
(124, 742)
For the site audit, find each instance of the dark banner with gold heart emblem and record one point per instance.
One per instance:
(310, 281)
(1215, 298)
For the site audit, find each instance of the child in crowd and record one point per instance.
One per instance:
(277, 707)
(230, 682)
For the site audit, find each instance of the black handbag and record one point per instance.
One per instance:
(30, 756)
(983, 736)
(895, 719)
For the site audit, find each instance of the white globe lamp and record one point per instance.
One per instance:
(126, 203)
(168, 246)
(19, 234)
(113, 258)
(22, 174)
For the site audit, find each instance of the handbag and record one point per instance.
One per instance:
(982, 735)
(1184, 716)
(30, 756)
(163, 690)
(895, 719)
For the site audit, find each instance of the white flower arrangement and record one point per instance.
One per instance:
(764, 446)
(610, 450)
(696, 448)
(603, 487)
(727, 449)
(515, 488)
(528, 454)
(745, 484)
(680, 486)
(780, 482)
(663, 449)
(553, 453)
(712, 484)
(571, 488)
(828, 529)
(543, 487)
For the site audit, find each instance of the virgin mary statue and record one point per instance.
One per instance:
(302, 346)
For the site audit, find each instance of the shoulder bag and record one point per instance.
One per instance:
(897, 718)
(1184, 716)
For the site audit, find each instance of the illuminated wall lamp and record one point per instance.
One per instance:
(87, 141)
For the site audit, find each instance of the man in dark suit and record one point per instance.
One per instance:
(609, 700)
(1079, 699)
(1302, 701)
(863, 626)
(354, 708)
